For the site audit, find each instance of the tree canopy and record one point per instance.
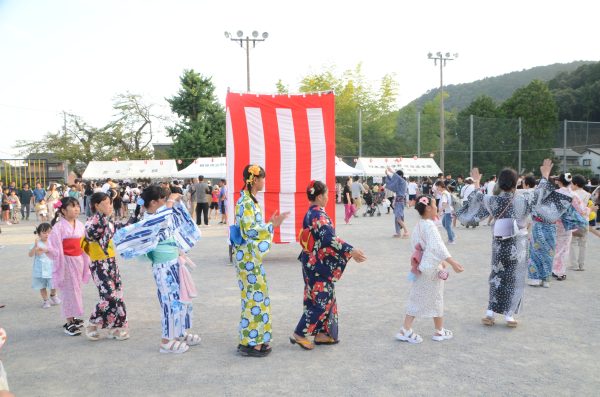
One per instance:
(200, 131)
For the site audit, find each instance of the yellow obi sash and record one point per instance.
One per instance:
(95, 252)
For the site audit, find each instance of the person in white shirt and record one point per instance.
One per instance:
(489, 191)
(446, 210)
(412, 191)
(106, 187)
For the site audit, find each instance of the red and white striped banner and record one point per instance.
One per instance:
(293, 138)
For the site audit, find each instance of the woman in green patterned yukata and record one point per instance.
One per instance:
(252, 244)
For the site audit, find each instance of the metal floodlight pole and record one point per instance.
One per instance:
(247, 40)
(442, 58)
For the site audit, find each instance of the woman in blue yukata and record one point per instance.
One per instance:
(324, 257)
(166, 230)
(252, 243)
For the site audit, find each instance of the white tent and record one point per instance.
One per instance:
(343, 169)
(376, 166)
(209, 167)
(130, 169)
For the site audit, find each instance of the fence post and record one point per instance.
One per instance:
(471, 142)
(520, 135)
(565, 147)
(418, 134)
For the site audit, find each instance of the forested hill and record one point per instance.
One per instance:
(499, 88)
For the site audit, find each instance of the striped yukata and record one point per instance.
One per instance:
(160, 236)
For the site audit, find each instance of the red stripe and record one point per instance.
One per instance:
(328, 107)
(303, 159)
(272, 163)
(240, 141)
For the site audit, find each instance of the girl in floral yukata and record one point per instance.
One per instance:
(166, 229)
(110, 312)
(71, 264)
(324, 257)
(250, 249)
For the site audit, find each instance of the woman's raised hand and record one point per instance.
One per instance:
(358, 255)
(277, 219)
(546, 168)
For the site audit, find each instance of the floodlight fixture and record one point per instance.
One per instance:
(245, 42)
(240, 33)
(265, 35)
(255, 34)
(227, 35)
(429, 55)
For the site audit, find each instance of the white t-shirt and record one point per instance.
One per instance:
(105, 187)
(412, 188)
(490, 188)
(466, 190)
(446, 199)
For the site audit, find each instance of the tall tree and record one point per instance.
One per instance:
(200, 131)
(128, 136)
(376, 107)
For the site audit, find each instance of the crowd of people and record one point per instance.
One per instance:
(537, 229)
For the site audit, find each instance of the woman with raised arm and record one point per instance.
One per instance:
(509, 234)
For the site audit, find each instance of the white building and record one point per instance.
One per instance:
(573, 158)
(590, 159)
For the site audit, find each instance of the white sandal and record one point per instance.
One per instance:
(118, 334)
(92, 334)
(191, 339)
(407, 335)
(174, 346)
(443, 334)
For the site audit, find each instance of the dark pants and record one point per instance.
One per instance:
(25, 210)
(201, 208)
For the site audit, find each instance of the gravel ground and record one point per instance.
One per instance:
(554, 350)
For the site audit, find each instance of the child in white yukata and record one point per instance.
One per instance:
(42, 266)
(426, 297)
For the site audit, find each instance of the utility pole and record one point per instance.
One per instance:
(442, 58)
(247, 40)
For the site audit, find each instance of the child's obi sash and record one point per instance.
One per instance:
(167, 251)
(95, 251)
(72, 247)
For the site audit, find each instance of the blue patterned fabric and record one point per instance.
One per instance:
(541, 250)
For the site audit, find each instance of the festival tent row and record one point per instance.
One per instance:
(215, 167)
(130, 169)
(209, 167)
(411, 166)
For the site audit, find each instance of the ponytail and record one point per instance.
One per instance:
(64, 203)
(252, 171)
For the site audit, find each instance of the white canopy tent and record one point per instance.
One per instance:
(209, 167)
(130, 169)
(343, 169)
(376, 166)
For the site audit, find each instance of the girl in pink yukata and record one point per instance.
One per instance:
(71, 264)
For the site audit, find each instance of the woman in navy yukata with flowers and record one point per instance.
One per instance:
(324, 257)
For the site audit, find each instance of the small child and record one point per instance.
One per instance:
(42, 266)
(426, 297)
(41, 210)
(15, 206)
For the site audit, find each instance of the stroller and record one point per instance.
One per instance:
(373, 201)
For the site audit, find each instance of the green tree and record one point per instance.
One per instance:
(377, 108)
(537, 108)
(200, 131)
(281, 88)
(127, 137)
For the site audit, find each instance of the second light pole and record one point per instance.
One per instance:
(247, 40)
(442, 58)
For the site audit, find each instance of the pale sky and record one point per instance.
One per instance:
(76, 55)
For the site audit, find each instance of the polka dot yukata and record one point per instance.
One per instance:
(509, 254)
